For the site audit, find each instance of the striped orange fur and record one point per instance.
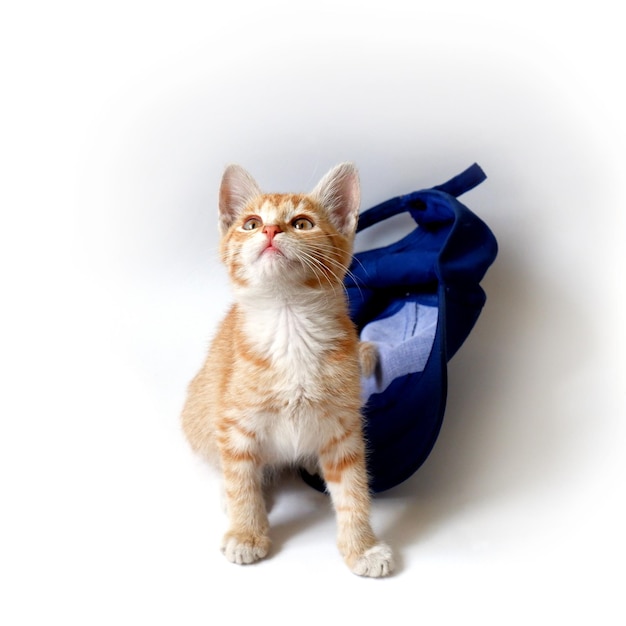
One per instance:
(281, 382)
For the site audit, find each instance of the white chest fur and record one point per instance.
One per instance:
(296, 338)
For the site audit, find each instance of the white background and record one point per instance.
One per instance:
(116, 120)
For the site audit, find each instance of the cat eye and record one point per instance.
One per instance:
(302, 223)
(252, 223)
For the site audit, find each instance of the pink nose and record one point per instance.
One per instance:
(271, 231)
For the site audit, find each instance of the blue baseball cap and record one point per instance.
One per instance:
(417, 300)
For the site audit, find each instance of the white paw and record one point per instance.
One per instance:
(375, 562)
(244, 550)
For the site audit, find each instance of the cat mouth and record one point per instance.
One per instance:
(271, 251)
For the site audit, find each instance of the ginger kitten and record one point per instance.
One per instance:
(281, 383)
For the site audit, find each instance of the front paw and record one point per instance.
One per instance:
(244, 548)
(375, 562)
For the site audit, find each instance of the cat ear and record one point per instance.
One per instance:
(236, 190)
(339, 193)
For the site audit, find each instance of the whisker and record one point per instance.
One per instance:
(315, 264)
(309, 263)
(328, 268)
(338, 266)
(319, 264)
(328, 247)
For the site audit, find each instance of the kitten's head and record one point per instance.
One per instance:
(288, 241)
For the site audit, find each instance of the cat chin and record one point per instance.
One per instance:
(273, 268)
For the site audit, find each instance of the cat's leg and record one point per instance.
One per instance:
(247, 537)
(368, 358)
(343, 467)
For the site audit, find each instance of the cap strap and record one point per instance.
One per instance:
(456, 186)
(464, 181)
